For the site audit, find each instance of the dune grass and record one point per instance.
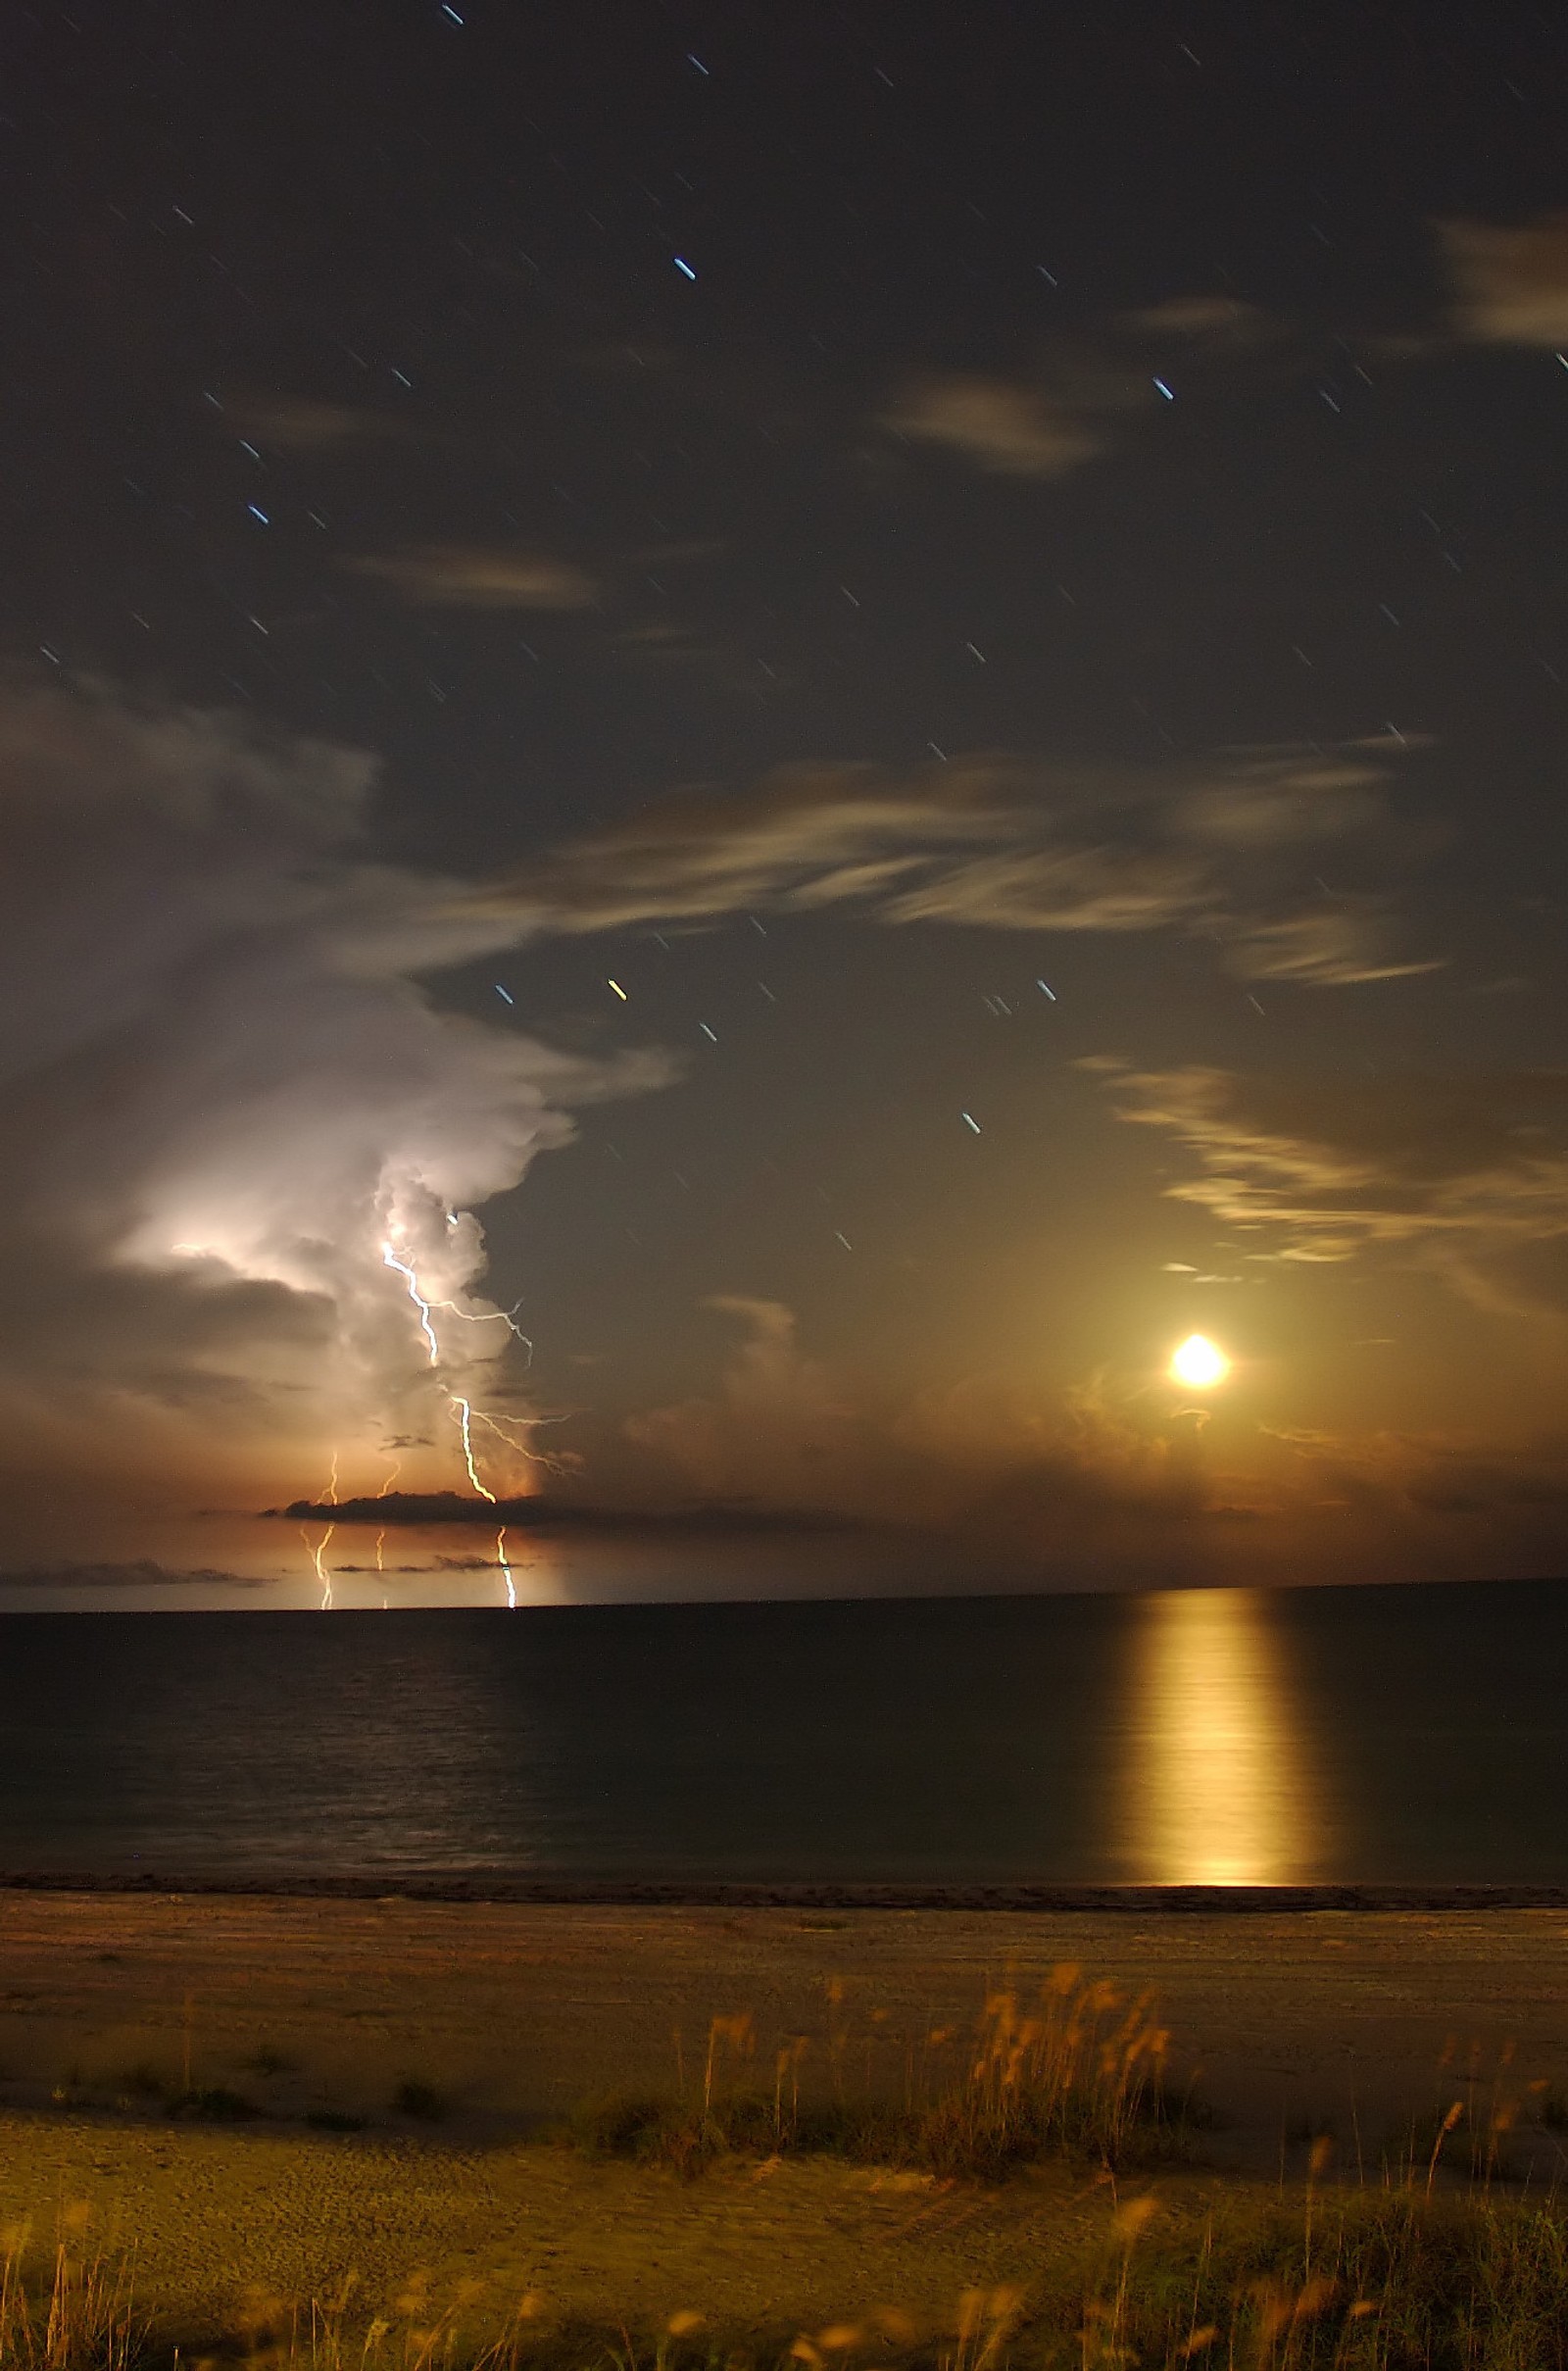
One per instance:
(68, 2308)
(1079, 2071)
(1424, 2265)
(1367, 2280)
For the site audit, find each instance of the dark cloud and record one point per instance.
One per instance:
(419, 1510)
(145, 1573)
(1434, 1474)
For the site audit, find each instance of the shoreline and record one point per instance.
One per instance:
(1141, 1901)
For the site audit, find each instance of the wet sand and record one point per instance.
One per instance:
(516, 2012)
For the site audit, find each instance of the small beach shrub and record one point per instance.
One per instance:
(266, 2061)
(145, 2081)
(214, 2103)
(649, 2131)
(332, 2119)
(421, 2101)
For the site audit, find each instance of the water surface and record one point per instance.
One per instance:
(1402, 1735)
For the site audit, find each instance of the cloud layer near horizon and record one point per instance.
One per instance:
(1119, 1481)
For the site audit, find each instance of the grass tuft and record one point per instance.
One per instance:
(1078, 2072)
(70, 2309)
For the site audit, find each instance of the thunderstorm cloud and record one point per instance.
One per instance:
(227, 1088)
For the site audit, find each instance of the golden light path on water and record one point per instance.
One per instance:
(1219, 1786)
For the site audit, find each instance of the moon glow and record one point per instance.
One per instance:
(1199, 1364)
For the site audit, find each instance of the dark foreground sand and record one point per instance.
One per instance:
(516, 2012)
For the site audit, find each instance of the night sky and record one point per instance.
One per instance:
(859, 711)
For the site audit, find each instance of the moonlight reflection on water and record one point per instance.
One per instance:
(1220, 1791)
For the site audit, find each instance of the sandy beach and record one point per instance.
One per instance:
(508, 2015)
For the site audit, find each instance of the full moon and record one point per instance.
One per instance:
(1199, 1364)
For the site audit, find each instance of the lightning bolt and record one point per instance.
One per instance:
(463, 1409)
(389, 1259)
(491, 1316)
(464, 1417)
(506, 1568)
(498, 1426)
(315, 1554)
(384, 1491)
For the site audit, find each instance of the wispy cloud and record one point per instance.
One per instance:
(456, 576)
(994, 843)
(1463, 1170)
(1334, 945)
(998, 424)
(298, 423)
(1049, 420)
(1219, 323)
(1510, 279)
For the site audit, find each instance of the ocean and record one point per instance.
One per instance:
(1400, 1735)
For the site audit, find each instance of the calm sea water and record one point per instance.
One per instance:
(1380, 1735)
